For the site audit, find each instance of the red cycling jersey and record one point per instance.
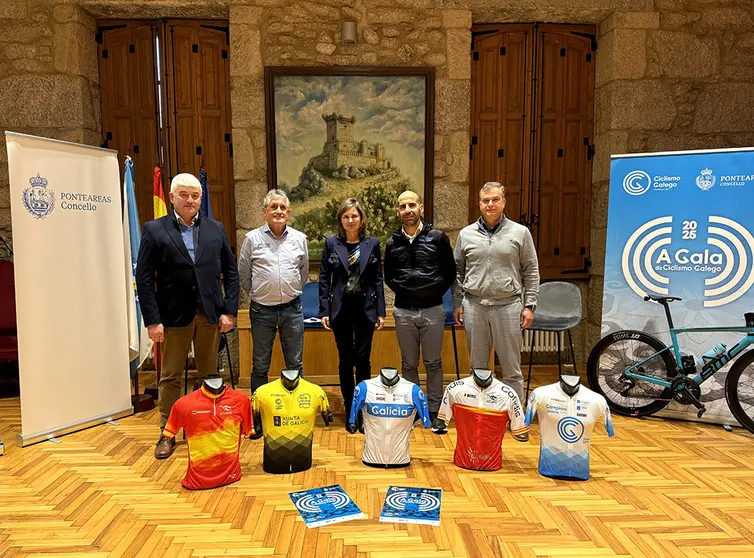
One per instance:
(214, 425)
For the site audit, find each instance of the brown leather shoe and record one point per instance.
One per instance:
(165, 447)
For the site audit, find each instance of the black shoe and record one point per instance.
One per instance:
(257, 431)
(438, 426)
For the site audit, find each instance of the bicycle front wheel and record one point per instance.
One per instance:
(620, 351)
(739, 390)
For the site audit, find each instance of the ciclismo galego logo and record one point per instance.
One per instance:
(638, 182)
(725, 256)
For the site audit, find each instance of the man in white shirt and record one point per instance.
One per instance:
(273, 268)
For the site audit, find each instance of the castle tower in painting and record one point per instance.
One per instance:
(342, 149)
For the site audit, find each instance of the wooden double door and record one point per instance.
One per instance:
(165, 99)
(532, 131)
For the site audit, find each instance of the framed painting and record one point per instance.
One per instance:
(335, 133)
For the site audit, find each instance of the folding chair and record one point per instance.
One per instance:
(558, 310)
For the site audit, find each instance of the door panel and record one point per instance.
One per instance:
(184, 123)
(535, 85)
(501, 61)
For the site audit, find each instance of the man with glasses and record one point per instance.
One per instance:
(274, 267)
(497, 284)
(181, 260)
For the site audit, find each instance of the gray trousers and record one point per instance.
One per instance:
(422, 327)
(499, 326)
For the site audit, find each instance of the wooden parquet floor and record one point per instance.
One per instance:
(660, 488)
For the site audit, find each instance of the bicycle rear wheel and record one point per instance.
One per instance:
(619, 351)
(739, 390)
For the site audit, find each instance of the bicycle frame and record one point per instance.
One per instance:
(709, 367)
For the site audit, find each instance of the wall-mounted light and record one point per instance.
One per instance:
(348, 33)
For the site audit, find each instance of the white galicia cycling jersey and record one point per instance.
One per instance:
(565, 424)
(388, 419)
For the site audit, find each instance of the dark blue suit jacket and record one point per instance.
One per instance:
(333, 276)
(168, 281)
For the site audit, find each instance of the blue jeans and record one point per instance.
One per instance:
(266, 321)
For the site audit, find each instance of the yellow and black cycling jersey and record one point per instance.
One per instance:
(288, 419)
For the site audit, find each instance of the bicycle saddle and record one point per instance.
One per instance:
(662, 299)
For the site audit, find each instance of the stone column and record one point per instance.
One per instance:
(248, 117)
(452, 122)
(621, 95)
(48, 78)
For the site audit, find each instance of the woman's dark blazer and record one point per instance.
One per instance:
(333, 276)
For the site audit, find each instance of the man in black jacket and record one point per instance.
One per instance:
(419, 269)
(181, 258)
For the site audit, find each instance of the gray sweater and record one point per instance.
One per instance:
(496, 269)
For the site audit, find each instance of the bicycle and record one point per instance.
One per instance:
(639, 375)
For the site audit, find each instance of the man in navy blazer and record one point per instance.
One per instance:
(352, 295)
(182, 258)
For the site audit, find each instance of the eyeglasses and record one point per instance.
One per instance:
(185, 196)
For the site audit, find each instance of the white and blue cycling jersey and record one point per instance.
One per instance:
(565, 424)
(388, 414)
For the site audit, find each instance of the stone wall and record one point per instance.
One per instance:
(390, 33)
(49, 82)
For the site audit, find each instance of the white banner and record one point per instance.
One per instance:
(70, 293)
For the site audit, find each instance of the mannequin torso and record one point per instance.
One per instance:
(389, 405)
(287, 409)
(567, 413)
(481, 415)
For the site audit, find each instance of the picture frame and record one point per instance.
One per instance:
(337, 132)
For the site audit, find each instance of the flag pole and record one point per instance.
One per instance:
(140, 401)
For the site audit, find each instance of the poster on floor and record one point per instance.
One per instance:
(70, 289)
(325, 506)
(681, 224)
(404, 504)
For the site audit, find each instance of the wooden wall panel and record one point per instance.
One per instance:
(198, 57)
(129, 102)
(501, 61)
(193, 58)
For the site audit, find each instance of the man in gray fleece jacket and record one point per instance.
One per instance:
(497, 283)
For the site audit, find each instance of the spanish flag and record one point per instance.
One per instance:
(158, 196)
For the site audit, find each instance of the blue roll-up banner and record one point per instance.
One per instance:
(681, 224)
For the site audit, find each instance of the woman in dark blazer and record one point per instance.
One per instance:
(351, 295)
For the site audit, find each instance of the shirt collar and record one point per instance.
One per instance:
(211, 395)
(418, 230)
(180, 221)
(266, 228)
(487, 229)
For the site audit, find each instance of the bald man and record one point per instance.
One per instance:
(420, 268)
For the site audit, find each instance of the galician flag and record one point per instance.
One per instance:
(138, 339)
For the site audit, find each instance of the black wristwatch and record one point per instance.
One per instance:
(531, 307)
